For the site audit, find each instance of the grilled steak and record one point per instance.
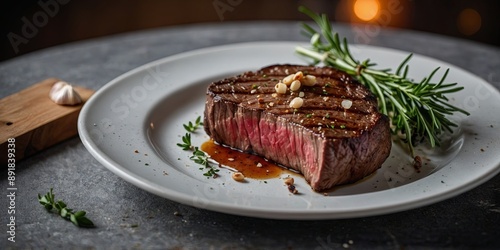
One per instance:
(336, 137)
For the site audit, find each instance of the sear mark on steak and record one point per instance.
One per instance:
(329, 144)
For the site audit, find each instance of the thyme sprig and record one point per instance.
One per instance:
(198, 156)
(191, 127)
(78, 218)
(201, 158)
(418, 110)
(186, 139)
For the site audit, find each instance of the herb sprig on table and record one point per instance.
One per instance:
(198, 156)
(78, 218)
(418, 110)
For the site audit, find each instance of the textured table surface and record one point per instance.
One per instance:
(128, 217)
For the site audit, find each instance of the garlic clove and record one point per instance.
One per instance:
(57, 86)
(64, 94)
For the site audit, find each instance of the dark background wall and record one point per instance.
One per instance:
(28, 25)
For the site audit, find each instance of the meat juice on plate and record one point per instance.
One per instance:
(251, 166)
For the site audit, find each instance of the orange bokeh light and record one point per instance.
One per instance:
(469, 21)
(366, 10)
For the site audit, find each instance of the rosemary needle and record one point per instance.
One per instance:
(418, 110)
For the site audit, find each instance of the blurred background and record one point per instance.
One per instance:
(29, 25)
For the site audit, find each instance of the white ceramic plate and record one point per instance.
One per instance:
(133, 123)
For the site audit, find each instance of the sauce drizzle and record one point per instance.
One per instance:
(252, 166)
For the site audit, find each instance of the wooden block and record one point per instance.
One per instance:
(35, 121)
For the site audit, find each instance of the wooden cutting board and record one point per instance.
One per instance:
(32, 122)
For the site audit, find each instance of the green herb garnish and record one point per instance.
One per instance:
(186, 139)
(191, 127)
(198, 156)
(78, 218)
(418, 110)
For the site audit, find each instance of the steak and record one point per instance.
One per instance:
(336, 137)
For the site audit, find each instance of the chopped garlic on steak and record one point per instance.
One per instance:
(296, 103)
(346, 104)
(280, 88)
(295, 85)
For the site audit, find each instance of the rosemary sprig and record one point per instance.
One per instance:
(198, 156)
(418, 110)
(78, 218)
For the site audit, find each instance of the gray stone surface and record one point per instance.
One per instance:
(128, 217)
